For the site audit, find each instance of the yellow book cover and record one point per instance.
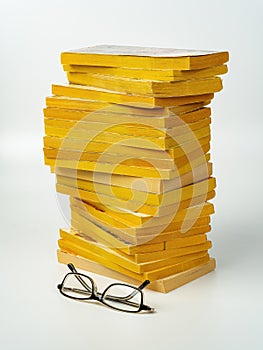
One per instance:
(122, 195)
(163, 231)
(148, 74)
(118, 238)
(195, 216)
(129, 160)
(89, 93)
(135, 207)
(127, 243)
(159, 232)
(166, 254)
(146, 142)
(57, 146)
(132, 129)
(111, 218)
(71, 144)
(123, 169)
(149, 185)
(88, 105)
(136, 220)
(123, 128)
(148, 87)
(79, 108)
(172, 235)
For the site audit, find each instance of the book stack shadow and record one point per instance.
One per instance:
(128, 139)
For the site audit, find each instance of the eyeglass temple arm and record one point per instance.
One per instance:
(144, 284)
(72, 269)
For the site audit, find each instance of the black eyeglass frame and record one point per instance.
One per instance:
(95, 295)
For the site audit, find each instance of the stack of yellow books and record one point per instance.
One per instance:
(129, 139)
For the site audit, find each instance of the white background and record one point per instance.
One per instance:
(220, 310)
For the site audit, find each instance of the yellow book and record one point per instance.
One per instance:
(147, 87)
(135, 128)
(95, 232)
(141, 235)
(140, 241)
(166, 254)
(117, 159)
(122, 195)
(109, 168)
(128, 170)
(144, 233)
(190, 144)
(196, 216)
(135, 207)
(68, 238)
(136, 220)
(78, 108)
(129, 244)
(188, 241)
(154, 265)
(157, 226)
(88, 93)
(163, 285)
(78, 104)
(77, 250)
(148, 185)
(107, 117)
(143, 57)
(148, 74)
(156, 143)
(169, 245)
(74, 241)
(196, 115)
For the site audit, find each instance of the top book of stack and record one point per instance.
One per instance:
(144, 58)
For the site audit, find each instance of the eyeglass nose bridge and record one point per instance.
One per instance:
(96, 297)
(95, 293)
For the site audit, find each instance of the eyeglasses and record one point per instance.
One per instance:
(119, 296)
